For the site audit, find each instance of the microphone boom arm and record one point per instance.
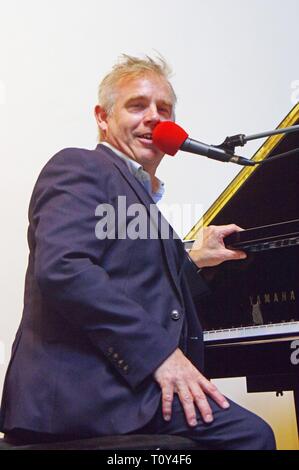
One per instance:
(239, 140)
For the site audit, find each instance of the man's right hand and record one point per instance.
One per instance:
(178, 375)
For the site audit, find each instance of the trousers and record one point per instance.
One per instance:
(234, 428)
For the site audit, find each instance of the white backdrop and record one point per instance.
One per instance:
(236, 69)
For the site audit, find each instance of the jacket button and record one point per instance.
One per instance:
(175, 315)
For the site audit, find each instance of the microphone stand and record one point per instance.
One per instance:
(239, 140)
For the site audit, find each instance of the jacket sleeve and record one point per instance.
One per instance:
(197, 285)
(71, 276)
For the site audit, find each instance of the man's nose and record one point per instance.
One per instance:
(152, 115)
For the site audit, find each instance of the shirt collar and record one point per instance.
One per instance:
(140, 174)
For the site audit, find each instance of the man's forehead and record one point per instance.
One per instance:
(139, 96)
(131, 88)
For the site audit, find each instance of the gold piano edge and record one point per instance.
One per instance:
(242, 176)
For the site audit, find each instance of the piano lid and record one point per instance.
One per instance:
(263, 194)
(258, 296)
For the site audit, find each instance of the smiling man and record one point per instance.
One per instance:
(126, 123)
(109, 341)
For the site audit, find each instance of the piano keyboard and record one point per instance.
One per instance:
(255, 331)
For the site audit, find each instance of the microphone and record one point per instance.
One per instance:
(169, 137)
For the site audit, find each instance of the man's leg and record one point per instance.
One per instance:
(233, 429)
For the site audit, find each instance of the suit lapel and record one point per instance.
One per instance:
(151, 207)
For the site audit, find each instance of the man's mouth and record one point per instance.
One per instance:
(146, 137)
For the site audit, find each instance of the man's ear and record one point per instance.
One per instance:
(101, 117)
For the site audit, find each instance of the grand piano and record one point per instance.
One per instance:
(251, 317)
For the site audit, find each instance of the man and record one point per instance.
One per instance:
(109, 341)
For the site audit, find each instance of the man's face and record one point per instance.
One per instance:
(140, 103)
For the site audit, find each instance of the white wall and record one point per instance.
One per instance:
(235, 63)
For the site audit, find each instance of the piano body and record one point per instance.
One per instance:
(251, 318)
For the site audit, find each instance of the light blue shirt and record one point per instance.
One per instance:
(140, 174)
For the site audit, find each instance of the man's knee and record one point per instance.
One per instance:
(249, 431)
(263, 436)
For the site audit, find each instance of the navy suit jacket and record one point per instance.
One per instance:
(98, 315)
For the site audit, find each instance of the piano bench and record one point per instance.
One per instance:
(117, 442)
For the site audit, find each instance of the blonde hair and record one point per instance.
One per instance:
(131, 67)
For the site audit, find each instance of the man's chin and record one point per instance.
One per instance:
(150, 156)
(150, 152)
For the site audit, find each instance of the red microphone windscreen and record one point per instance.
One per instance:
(169, 137)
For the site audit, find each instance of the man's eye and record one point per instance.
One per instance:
(165, 111)
(137, 106)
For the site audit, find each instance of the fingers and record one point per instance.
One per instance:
(235, 254)
(189, 396)
(167, 399)
(202, 403)
(195, 396)
(186, 399)
(178, 375)
(226, 230)
(210, 389)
